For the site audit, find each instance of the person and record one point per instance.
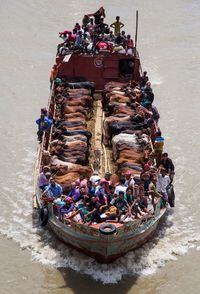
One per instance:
(94, 178)
(117, 25)
(53, 190)
(66, 208)
(161, 185)
(100, 13)
(102, 27)
(103, 201)
(129, 45)
(44, 124)
(54, 73)
(79, 41)
(111, 194)
(129, 181)
(167, 163)
(153, 193)
(121, 204)
(91, 27)
(158, 147)
(155, 113)
(144, 79)
(44, 177)
(94, 212)
(74, 192)
(121, 187)
(111, 37)
(129, 196)
(85, 21)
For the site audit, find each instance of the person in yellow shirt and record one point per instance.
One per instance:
(117, 25)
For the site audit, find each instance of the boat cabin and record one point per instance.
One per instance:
(101, 68)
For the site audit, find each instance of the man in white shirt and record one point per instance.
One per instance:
(162, 182)
(121, 187)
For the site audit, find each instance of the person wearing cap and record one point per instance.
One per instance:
(53, 190)
(44, 177)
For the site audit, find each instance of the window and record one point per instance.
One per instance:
(126, 68)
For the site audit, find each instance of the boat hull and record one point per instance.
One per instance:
(105, 248)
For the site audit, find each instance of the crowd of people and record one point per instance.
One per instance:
(94, 36)
(99, 199)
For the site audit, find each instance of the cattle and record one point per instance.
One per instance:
(108, 120)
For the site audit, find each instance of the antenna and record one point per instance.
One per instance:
(136, 29)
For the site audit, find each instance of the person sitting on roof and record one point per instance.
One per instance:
(44, 124)
(129, 45)
(85, 43)
(117, 25)
(79, 41)
(119, 44)
(111, 37)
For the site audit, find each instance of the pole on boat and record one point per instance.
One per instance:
(136, 29)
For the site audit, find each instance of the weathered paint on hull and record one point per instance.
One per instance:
(105, 248)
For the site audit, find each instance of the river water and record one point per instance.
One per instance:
(31, 260)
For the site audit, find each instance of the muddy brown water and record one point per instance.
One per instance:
(31, 259)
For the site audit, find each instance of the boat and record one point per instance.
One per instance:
(104, 241)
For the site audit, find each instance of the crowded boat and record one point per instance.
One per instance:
(141, 172)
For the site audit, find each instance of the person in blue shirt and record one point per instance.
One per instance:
(53, 190)
(44, 124)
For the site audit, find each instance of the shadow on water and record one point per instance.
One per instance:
(80, 280)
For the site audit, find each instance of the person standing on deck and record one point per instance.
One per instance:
(53, 74)
(117, 25)
(158, 147)
(162, 182)
(44, 124)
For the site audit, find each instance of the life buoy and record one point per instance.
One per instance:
(43, 216)
(171, 195)
(107, 229)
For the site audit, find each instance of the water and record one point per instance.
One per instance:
(32, 261)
